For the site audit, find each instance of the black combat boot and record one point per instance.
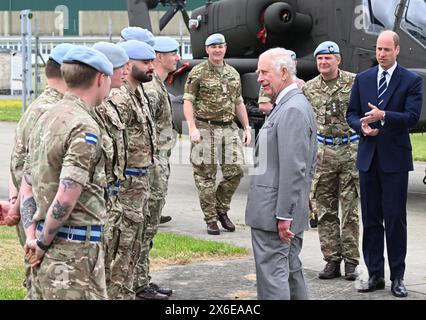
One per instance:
(350, 271)
(331, 270)
(225, 221)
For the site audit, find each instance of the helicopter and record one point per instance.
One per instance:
(251, 27)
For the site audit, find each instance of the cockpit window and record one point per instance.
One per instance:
(414, 20)
(379, 15)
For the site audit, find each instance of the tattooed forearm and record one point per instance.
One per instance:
(28, 179)
(60, 210)
(69, 184)
(28, 208)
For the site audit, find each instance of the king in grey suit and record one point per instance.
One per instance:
(277, 204)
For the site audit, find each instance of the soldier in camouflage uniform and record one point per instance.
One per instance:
(212, 98)
(114, 140)
(67, 168)
(133, 110)
(52, 94)
(165, 62)
(336, 178)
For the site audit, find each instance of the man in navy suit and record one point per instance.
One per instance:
(385, 102)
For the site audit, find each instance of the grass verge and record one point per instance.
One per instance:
(169, 249)
(418, 140)
(10, 110)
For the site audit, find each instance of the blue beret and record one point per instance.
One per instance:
(292, 54)
(165, 44)
(215, 38)
(57, 54)
(137, 33)
(138, 50)
(115, 54)
(327, 47)
(91, 57)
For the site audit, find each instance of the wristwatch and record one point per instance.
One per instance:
(42, 246)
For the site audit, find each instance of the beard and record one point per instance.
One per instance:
(140, 75)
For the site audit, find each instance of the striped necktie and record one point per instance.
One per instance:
(382, 88)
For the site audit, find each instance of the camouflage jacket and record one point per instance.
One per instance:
(330, 105)
(161, 109)
(263, 97)
(66, 143)
(213, 94)
(135, 114)
(114, 140)
(26, 124)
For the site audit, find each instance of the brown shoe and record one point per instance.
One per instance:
(226, 222)
(350, 271)
(212, 228)
(150, 294)
(331, 270)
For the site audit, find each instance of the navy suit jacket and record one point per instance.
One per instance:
(402, 104)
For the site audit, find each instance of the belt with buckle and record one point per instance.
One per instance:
(137, 172)
(77, 233)
(335, 141)
(216, 123)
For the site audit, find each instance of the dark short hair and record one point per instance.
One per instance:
(52, 69)
(78, 75)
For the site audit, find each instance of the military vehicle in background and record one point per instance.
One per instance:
(253, 26)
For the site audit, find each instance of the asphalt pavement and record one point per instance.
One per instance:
(234, 279)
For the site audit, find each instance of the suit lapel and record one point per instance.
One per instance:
(372, 92)
(287, 97)
(393, 84)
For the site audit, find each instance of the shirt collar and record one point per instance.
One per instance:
(284, 92)
(389, 71)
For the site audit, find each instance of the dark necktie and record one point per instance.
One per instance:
(382, 88)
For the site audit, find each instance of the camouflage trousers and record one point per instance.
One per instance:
(158, 179)
(223, 146)
(70, 270)
(127, 237)
(111, 229)
(336, 181)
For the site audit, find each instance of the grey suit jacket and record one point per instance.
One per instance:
(285, 158)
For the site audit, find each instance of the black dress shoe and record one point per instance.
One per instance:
(374, 283)
(165, 219)
(398, 288)
(156, 287)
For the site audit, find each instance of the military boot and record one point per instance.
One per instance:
(150, 294)
(331, 270)
(225, 221)
(212, 228)
(350, 271)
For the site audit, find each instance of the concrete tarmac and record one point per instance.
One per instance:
(235, 279)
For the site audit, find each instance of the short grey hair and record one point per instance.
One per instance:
(280, 58)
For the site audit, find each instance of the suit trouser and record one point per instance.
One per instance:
(384, 198)
(278, 267)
